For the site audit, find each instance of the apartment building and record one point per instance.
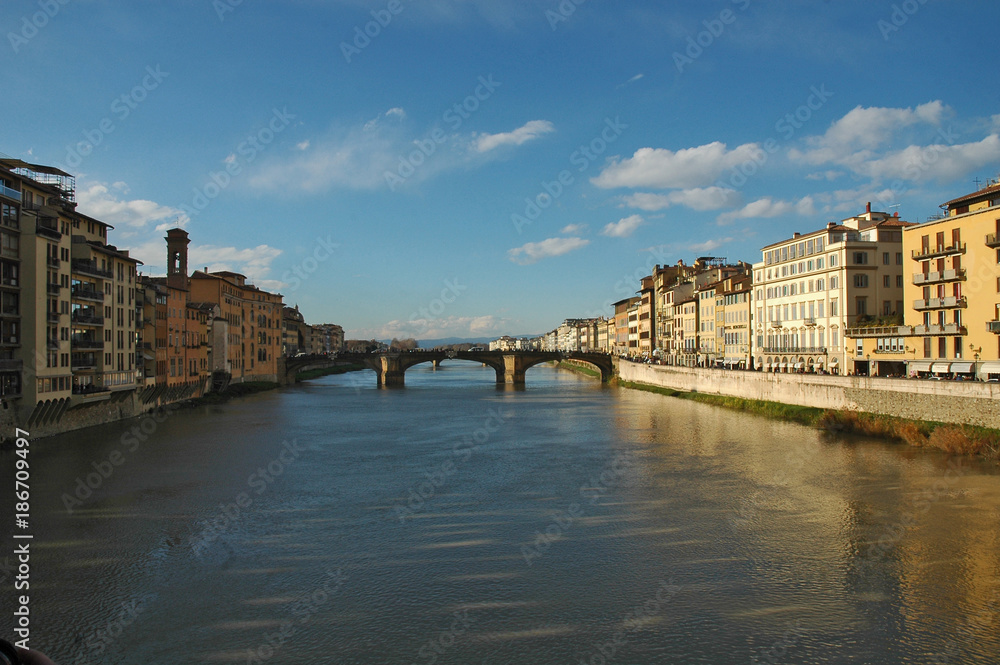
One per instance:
(809, 289)
(951, 325)
(252, 316)
(621, 323)
(707, 326)
(734, 306)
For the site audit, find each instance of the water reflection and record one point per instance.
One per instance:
(656, 530)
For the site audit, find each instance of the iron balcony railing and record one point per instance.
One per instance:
(993, 240)
(948, 302)
(85, 267)
(940, 250)
(938, 276)
(84, 316)
(939, 329)
(86, 294)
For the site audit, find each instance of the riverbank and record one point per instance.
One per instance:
(579, 368)
(317, 373)
(955, 439)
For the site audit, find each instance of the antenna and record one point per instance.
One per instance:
(977, 181)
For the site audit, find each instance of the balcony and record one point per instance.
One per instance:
(85, 316)
(85, 343)
(8, 365)
(83, 293)
(812, 350)
(993, 327)
(809, 321)
(878, 331)
(776, 324)
(920, 278)
(52, 344)
(52, 261)
(950, 302)
(85, 267)
(84, 362)
(939, 329)
(48, 230)
(52, 317)
(933, 252)
(53, 289)
(10, 193)
(993, 240)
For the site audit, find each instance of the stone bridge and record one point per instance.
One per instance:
(390, 367)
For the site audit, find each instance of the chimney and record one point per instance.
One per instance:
(796, 234)
(868, 208)
(177, 243)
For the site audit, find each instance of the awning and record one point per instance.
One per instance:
(961, 368)
(783, 366)
(766, 366)
(990, 368)
(919, 366)
(798, 365)
(834, 361)
(940, 367)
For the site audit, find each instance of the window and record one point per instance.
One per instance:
(899, 258)
(834, 308)
(860, 281)
(885, 258)
(887, 281)
(860, 258)
(899, 281)
(819, 264)
(833, 260)
(861, 306)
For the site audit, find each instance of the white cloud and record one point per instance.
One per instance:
(862, 130)
(533, 252)
(434, 328)
(98, 200)
(573, 229)
(824, 175)
(530, 131)
(386, 151)
(140, 225)
(941, 162)
(767, 207)
(624, 227)
(665, 169)
(709, 245)
(697, 198)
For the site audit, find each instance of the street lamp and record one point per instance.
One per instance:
(975, 365)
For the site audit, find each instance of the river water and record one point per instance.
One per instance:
(457, 522)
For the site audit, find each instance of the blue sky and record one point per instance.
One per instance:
(388, 181)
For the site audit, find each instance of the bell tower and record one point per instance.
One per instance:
(177, 258)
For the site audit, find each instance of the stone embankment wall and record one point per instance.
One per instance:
(961, 402)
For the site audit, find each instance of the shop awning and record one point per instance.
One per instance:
(766, 366)
(918, 366)
(961, 368)
(990, 368)
(798, 365)
(940, 368)
(783, 366)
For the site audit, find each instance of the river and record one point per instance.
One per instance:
(455, 522)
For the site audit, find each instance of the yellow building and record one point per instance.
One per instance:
(809, 289)
(953, 289)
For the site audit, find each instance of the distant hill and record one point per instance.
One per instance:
(483, 341)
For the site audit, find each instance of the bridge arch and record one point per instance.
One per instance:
(390, 368)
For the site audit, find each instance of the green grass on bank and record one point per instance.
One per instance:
(586, 370)
(316, 373)
(954, 439)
